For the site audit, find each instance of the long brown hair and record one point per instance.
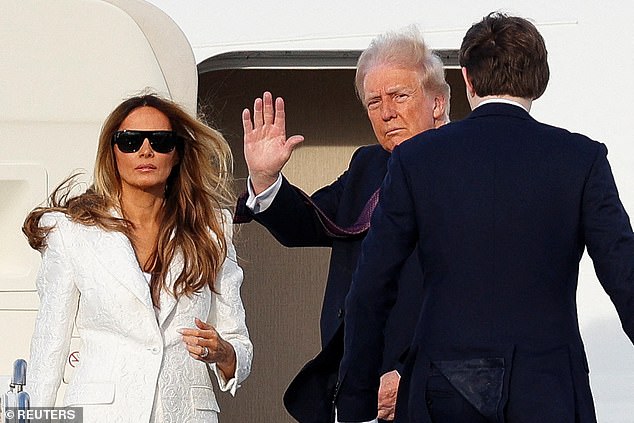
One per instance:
(197, 189)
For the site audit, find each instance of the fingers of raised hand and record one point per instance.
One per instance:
(293, 141)
(269, 110)
(280, 114)
(247, 125)
(258, 120)
(265, 112)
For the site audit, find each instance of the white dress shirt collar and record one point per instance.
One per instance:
(500, 100)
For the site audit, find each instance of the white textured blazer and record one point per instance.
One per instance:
(133, 364)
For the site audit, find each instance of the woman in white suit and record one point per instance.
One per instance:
(143, 265)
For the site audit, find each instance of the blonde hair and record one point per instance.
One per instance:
(197, 189)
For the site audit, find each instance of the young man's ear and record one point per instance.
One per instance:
(467, 81)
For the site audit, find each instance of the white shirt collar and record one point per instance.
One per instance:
(501, 100)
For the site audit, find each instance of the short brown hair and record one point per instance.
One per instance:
(505, 55)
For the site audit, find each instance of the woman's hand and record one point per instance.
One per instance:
(206, 344)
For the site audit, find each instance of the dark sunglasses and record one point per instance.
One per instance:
(160, 141)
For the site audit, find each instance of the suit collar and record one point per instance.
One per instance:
(506, 101)
(499, 109)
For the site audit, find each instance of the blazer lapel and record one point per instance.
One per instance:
(115, 252)
(168, 301)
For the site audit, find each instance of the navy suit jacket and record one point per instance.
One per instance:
(499, 208)
(294, 223)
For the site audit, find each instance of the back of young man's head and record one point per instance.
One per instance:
(505, 55)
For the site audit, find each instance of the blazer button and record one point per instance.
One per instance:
(155, 350)
(340, 313)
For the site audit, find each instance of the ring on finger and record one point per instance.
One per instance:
(205, 352)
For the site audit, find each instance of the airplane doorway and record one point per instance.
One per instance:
(283, 288)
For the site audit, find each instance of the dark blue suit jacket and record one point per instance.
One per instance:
(293, 222)
(501, 207)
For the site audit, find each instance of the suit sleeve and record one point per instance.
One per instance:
(609, 239)
(293, 220)
(390, 241)
(59, 300)
(228, 315)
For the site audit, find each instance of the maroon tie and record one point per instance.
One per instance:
(361, 225)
